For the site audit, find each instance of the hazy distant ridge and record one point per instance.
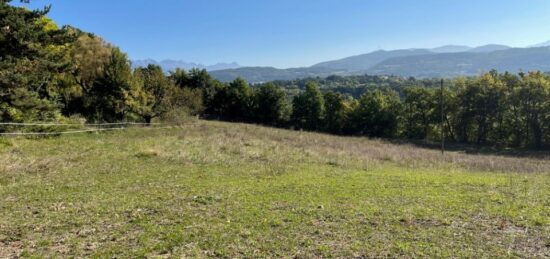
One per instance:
(170, 65)
(445, 61)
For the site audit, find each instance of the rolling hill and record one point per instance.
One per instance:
(366, 61)
(489, 48)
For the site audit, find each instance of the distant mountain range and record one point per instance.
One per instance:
(542, 44)
(465, 63)
(365, 61)
(444, 61)
(171, 65)
(450, 49)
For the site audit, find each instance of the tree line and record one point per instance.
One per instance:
(57, 74)
(497, 109)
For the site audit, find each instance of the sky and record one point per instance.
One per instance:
(296, 33)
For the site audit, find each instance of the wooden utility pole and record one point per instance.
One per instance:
(442, 119)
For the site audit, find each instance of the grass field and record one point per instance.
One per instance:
(235, 190)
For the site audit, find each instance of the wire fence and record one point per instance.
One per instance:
(81, 128)
(74, 124)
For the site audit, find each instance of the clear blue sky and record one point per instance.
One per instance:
(290, 33)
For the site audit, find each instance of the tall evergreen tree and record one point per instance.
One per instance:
(32, 56)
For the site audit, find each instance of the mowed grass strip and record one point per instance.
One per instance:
(234, 190)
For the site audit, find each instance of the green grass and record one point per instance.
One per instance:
(233, 190)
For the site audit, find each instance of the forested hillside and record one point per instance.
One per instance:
(265, 74)
(355, 86)
(65, 74)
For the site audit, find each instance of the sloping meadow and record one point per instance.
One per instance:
(235, 190)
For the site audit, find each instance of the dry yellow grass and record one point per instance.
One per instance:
(329, 148)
